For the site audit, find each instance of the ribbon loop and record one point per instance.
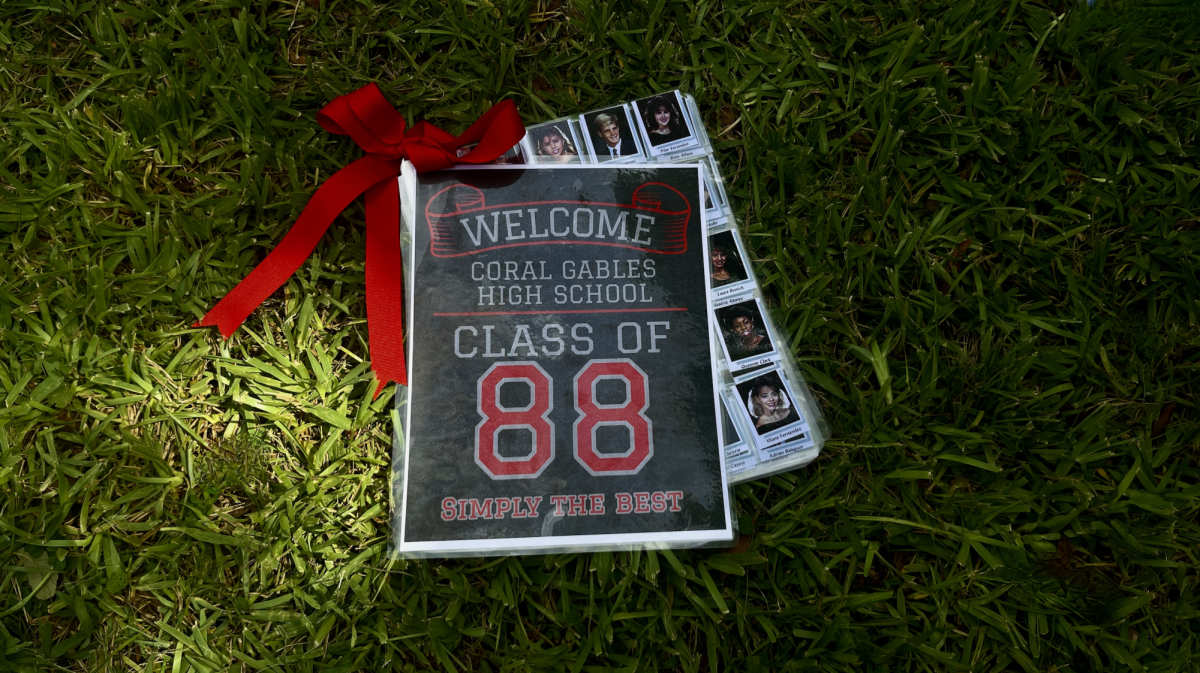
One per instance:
(376, 127)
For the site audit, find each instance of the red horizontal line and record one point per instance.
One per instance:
(594, 310)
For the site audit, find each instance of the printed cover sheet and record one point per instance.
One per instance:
(561, 388)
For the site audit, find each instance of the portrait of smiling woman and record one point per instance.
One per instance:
(769, 405)
(552, 145)
(743, 336)
(725, 264)
(663, 120)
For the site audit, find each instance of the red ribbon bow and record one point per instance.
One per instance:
(378, 129)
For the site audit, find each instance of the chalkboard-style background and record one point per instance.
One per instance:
(444, 399)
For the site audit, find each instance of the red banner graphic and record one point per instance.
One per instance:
(461, 223)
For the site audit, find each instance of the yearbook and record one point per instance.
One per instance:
(561, 388)
(779, 427)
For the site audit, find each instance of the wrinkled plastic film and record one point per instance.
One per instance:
(748, 456)
(402, 459)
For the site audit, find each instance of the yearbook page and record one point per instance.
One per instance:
(561, 392)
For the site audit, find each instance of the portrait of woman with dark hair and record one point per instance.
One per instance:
(768, 403)
(663, 120)
(743, 336)
(724, 261)
(553, 145)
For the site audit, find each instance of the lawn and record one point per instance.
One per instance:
(977, 221)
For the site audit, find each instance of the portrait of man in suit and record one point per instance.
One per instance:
(611, 136)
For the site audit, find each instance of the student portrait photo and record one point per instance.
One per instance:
(768, 402)
(663, 120)
(742, 331)
(554, 143)
(610, 134)
(725, 265)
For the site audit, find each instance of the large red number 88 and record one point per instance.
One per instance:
(630, 414)
(532, 418)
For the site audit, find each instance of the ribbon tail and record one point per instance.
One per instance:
(385, 285)
(326, 204)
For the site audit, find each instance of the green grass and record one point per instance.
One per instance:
(978, 221)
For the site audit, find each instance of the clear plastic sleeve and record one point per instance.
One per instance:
(407, 451)
(782, 429)
(770, 422)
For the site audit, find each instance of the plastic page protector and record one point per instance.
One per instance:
(561, 388)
